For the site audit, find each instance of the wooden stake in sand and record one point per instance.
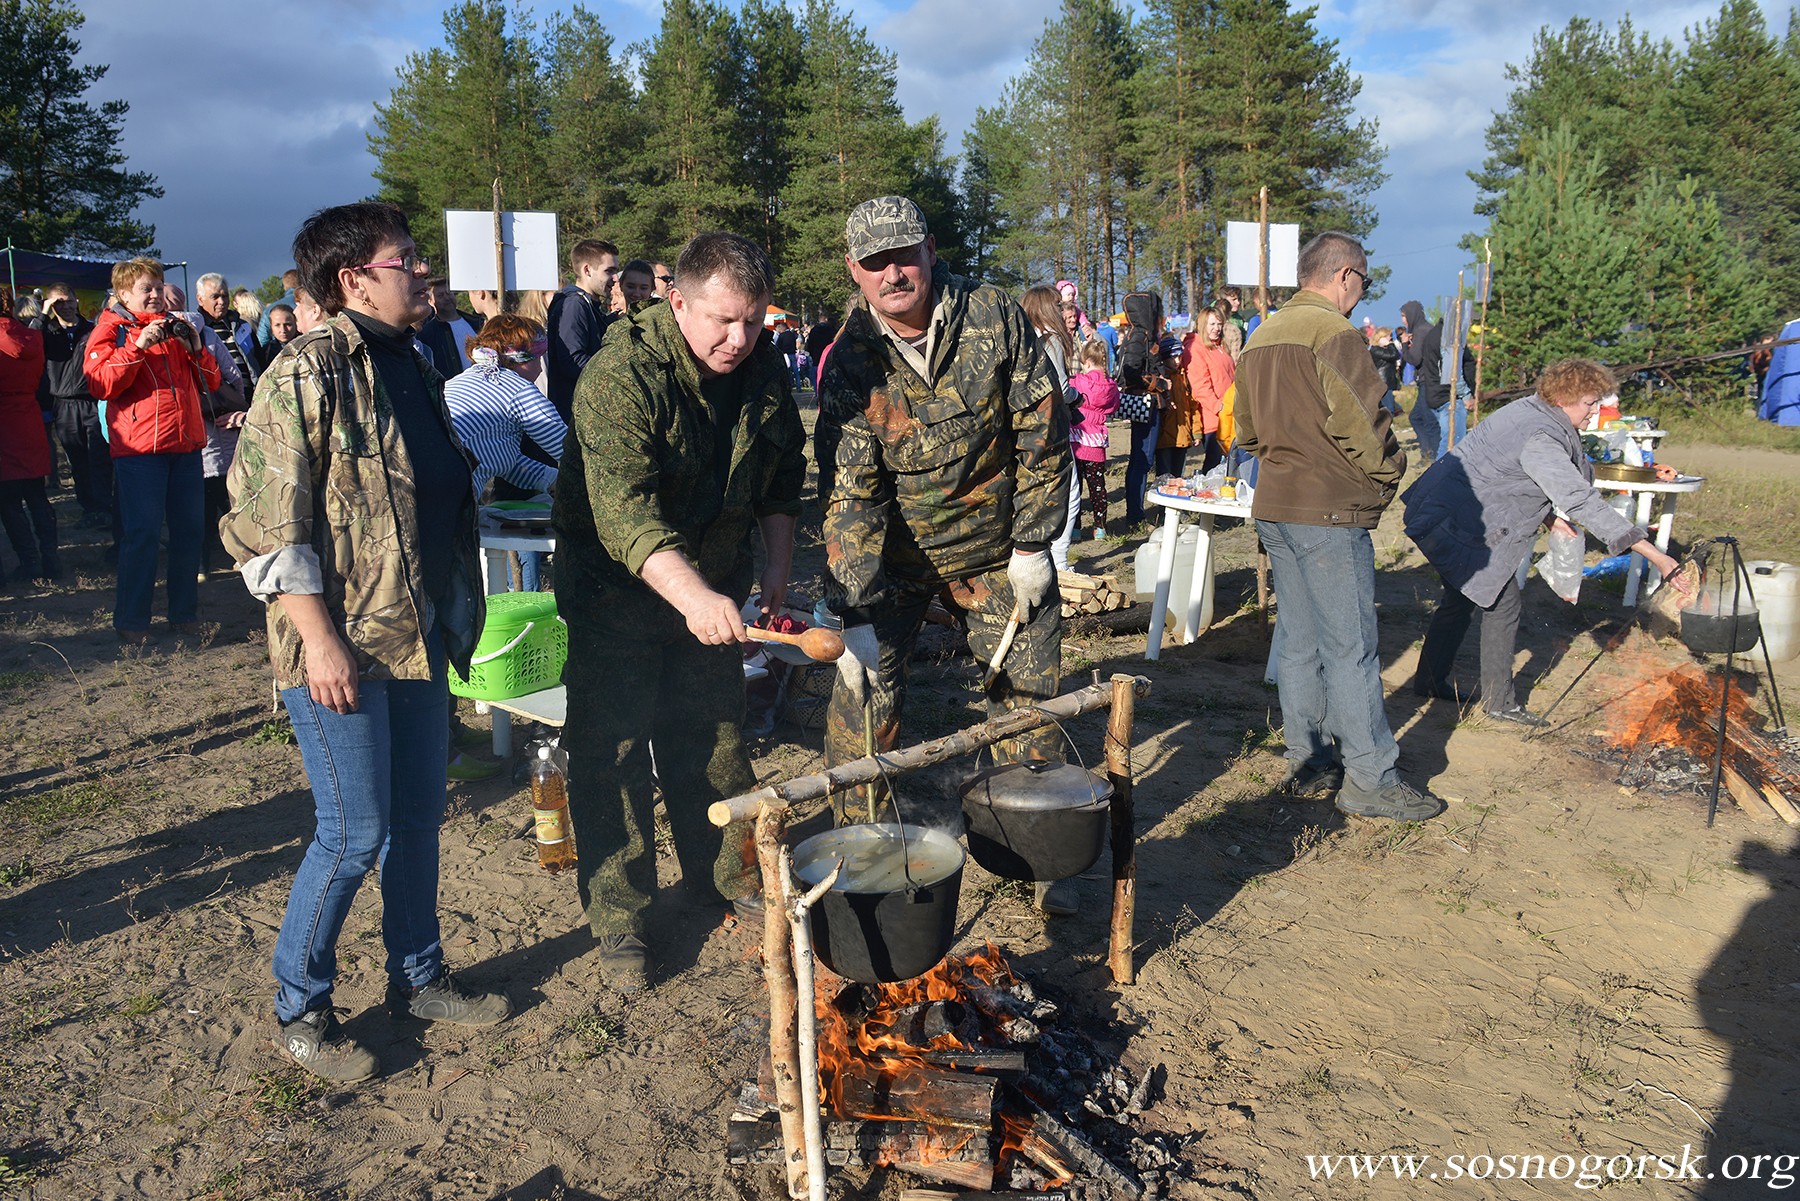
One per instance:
(1124, 831)
(799, 909)
(784, 1009)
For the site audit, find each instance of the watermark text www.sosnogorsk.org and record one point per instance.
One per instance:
(1775, 1172)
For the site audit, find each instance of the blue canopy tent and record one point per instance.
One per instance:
(33, 269)
(1781, 387)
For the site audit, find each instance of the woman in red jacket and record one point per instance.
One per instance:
(151, 370)
(24, 448)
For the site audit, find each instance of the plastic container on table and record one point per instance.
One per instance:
(522, 648)
(1777, 589)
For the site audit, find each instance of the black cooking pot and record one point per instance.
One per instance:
(1037, 821)
(1720, 633)
(892, 913)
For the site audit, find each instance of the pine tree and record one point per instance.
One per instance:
(990, 165)
(593, 121)
(770, 104)
(461, 117)
(1613, 90)
(1736, 105)
(688, 172)
(851, 143)
(1563, 265)
(63, 182)
(1696, 291)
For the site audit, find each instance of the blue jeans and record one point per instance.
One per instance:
(1329, 668)
(378, 793)
(1139, 457)
(1443, 413)
(149, 490)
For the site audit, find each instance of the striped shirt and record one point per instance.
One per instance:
(492, 408)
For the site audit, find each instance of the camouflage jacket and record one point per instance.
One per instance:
(937, 480)
(323, 503)
(639, 471)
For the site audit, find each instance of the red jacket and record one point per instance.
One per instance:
(24, 446)
(152, 396)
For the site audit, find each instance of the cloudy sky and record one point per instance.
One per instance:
(255, 123)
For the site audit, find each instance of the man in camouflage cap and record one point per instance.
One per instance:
(685, 434)
(943, 448)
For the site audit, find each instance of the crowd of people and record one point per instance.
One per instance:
(341, 439)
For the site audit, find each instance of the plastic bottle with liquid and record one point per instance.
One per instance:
(550, 806)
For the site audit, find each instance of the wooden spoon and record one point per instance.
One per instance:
(818, 643)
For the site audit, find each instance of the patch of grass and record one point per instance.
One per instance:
(15, 1177)
(1727, 424)
(1313, 1083)
(596, 1033)
(88, 798)
(14, 874)
(275, 733)
(285, 1092)
(11, 680)
(141, 1005)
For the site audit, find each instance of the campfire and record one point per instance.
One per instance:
(966, 1077)
(1668, 730)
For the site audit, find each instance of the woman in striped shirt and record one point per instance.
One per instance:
(495, 406)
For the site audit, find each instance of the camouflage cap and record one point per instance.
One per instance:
(884, 223)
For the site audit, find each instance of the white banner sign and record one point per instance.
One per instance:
(530, 240)
(1240, 254)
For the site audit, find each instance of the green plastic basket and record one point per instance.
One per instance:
(521, 649)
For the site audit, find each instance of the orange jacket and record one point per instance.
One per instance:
(1209, 371)
(152, 396)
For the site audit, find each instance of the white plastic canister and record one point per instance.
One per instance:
(1777, 589)
(1144, 569)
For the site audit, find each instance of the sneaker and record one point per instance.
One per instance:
(447, 1000)
(1397, 802)
(1518, 715)
(1307, 783)
(319, 1045)
(624, 963)
(136, 638)
(1056, 898)
(463, 769)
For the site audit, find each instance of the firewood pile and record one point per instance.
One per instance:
(1091, 594)
(968, 1077)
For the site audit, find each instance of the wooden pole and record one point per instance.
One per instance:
(499, 253)
(866, 770)
(1262, 252)
(1457, 334)
(1124, 830)
(799, 909)
(784, 1000)
(1484, 285)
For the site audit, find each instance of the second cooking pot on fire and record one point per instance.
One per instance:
(1037, 821)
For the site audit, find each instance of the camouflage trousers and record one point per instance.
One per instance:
(1031, 672)
(630, 692)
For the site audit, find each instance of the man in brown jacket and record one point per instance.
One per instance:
(1309, 408)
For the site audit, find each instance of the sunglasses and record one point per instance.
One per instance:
(1359, 275)
(667, 279)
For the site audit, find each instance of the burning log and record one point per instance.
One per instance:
(757, 1140)
(1006, 1065)
(931, 1194)
(928, 1094)
(1096, 1166)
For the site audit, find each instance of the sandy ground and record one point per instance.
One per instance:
(1554, 967)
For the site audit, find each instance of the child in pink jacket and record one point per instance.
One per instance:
(1099, 400)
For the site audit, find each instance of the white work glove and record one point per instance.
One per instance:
(856, 666)
(1033, 578)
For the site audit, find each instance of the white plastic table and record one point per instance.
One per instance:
(496, 543)
(1636, 569)
(1200, 589)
